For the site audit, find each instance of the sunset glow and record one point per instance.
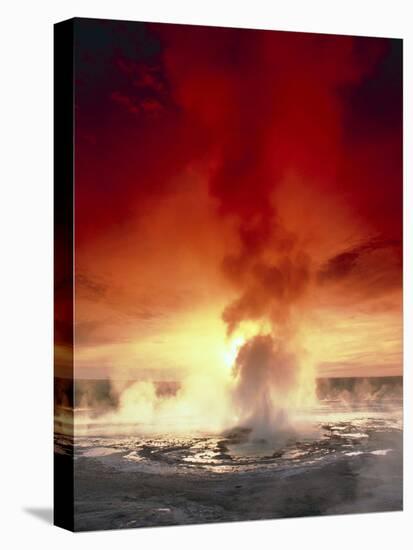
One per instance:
(237, 208)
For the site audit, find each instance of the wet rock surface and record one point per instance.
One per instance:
(350, 466)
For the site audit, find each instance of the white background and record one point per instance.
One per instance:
(26, 271)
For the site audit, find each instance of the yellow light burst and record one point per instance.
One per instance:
(230, 354)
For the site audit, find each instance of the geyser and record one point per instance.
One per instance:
(265, 375)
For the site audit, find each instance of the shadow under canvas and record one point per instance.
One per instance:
(44, 514)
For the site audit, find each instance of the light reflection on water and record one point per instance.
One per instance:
(330, 432)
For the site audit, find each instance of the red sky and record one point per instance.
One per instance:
(229, 178)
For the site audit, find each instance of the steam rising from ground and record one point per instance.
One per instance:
(265, 376)
(272, 371)
(270, 376)
(265, 388)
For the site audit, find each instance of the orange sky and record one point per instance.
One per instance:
(229, 181)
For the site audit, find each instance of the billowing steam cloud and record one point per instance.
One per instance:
(268, 366)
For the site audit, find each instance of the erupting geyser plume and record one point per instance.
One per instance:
(265, 375)
(273, 375)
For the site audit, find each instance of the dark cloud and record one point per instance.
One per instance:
(344, 264)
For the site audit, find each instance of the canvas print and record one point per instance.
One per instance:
(228, 274)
